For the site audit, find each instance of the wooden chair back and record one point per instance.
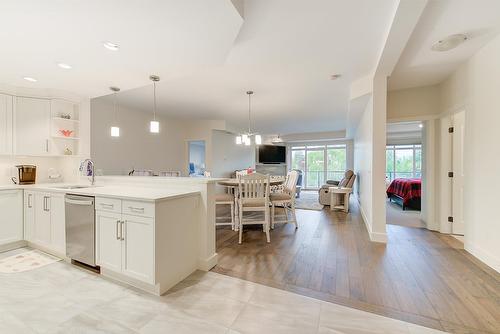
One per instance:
(253, 187)
(291, 183)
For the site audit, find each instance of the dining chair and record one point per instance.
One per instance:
(170, 173)
(285, 199)
(253, 192)
(225, 199)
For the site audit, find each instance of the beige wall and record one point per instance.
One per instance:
(413, 103)
(227, 156)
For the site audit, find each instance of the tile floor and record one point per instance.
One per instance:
(61, 298)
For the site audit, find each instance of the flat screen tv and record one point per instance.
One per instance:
(271, 154)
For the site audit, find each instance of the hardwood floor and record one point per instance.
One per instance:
(419, 276)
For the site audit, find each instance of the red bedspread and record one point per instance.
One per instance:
(407, 189)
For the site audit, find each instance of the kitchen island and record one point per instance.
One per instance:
(149, 232)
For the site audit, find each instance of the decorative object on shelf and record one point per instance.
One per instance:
(67, 151)
(66, 133)
(245, 138)
(53, 174)
(115, 130)
(154, 125)
(65, 116)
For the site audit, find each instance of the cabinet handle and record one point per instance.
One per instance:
(107, 205)
(122, 235)
(30, 204)
(44, 203)
(47, 145)
(141, 210)
(48, 203)
(117, 230)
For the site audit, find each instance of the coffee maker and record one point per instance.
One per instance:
(27, 174)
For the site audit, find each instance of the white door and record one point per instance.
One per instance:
(5, 124)
(138, 248)
(29, 215)
(458, 225)
(11, 209)
(42, 230)
(31, 126)
(57, 223)
(108, 240)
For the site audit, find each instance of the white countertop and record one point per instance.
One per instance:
(140, 193)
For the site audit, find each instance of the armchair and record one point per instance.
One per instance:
(347, 182)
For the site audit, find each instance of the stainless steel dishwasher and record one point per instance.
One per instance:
(80, 228)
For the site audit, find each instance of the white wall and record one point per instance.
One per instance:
(227, 156)
(475, 86)
(363, 146)
(136, 147)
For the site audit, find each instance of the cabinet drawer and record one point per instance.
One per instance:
(108, 204)
(135, 208)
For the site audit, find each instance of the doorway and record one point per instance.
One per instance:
(196, 157)
(457, 162)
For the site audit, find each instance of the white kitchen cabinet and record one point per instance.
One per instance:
(57, 223)
(138, 247)
(5, 124)
(49, 224)
(125, 242)
(109, 243)
(11, 208)
(42, 230)
(29, 215)
(31, 126)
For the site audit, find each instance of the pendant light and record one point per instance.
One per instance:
(115, 130)
(154, 125)
(245, 138)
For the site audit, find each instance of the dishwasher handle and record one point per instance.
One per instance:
(79, 202)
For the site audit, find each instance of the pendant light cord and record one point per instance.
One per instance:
(249, 109)
(154, 100)
(114, 106)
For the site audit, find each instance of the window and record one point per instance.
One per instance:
(403, 161)
(319, 163)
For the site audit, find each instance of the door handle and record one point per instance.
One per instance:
(122, 235)
(118, 237)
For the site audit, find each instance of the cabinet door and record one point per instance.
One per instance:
(29, 215)
(108, 240)
(57, 223)
(11, 208)
(5, 124)
(31, 126)
(138, 248)
(42, 230)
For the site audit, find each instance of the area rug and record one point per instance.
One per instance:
(29, 260)
(308, 200)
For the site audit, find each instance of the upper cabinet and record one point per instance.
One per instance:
(5, 124)
(31, 126)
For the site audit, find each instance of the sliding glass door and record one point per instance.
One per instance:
(319, 163)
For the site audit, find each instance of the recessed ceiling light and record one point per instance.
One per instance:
(65, 66)
(111, 46)
(30, 79)
(335, 76)
(420, 125)
(449, 42)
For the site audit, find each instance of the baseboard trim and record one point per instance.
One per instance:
(13, 245)
(208, 263)
(374, 236)
(487, 258)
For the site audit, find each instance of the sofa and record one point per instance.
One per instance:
(347, 182)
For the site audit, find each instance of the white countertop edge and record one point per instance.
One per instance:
(108, 191)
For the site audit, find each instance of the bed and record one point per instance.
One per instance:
(406, 192)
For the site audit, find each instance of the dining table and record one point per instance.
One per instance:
(233, 183)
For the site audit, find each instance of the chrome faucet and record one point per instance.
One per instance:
(85, 163)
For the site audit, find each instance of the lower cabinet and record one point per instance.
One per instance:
(44, 220)
(11, 223)
(125, 244)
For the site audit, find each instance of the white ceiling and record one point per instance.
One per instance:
(166, 37)
(285, 51)
(419, 65)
